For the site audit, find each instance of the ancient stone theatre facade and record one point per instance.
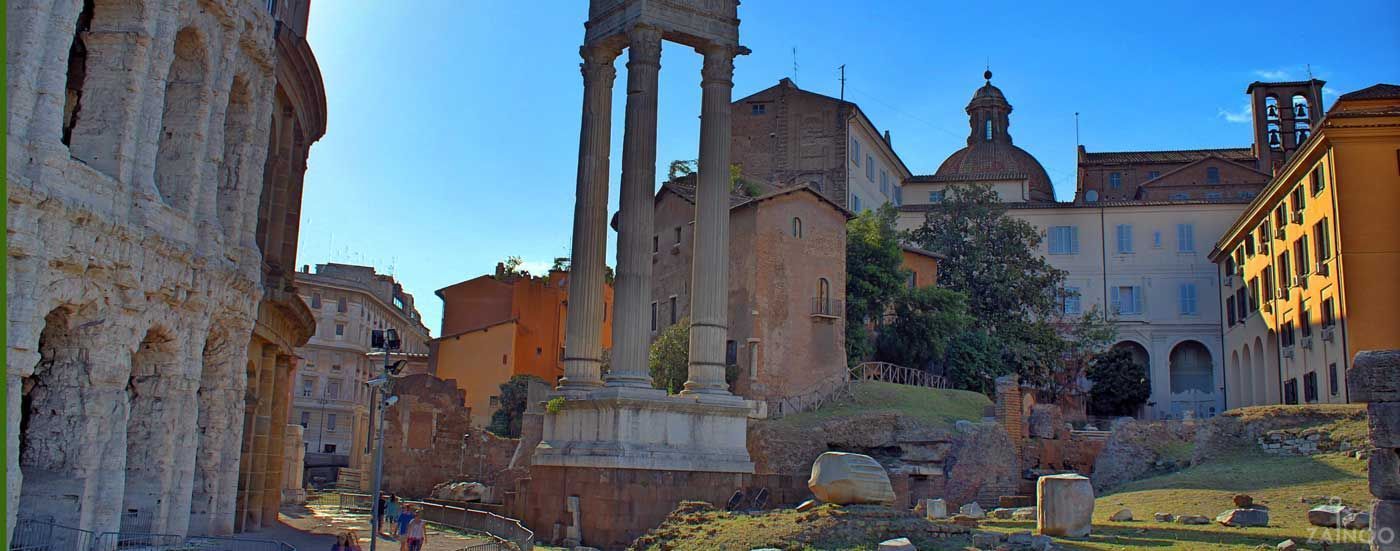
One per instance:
(155, 151)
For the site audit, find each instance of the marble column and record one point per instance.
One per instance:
(631, 324)
(709, 292)
(583, 337)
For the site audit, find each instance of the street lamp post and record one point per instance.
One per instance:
(388, 341)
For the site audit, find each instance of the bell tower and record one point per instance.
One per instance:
(1284, 116)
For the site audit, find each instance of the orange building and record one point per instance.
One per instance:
(497, 326)
(922, 265)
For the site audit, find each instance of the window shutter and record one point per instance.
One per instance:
(1116, 303)
(1074, 239)
(1137, 300)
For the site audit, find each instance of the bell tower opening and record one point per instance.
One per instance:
(1284, 114)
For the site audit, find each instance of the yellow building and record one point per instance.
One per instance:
(1309, 272)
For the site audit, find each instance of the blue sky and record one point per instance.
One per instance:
(452, 140)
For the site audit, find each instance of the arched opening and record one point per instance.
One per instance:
(824, 296)
(1138, 353)
(177, 161)
(238, 122)
(1248, 383)
(1272, 136)
(797, 227)
(48, 442)
(215, 471)
(77, 72)
(1271, 108)
(1264, 355)
(1192, 377)
(1232, 391)
(151, 410)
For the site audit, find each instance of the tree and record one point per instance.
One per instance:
(993, 260)
(1120, 384)
(974, 361)
(505, 421)
(561, 264)
(925, 322)
(874, 276)
(512, 268)
(1084, 338)
(737, 184)
(669, 358)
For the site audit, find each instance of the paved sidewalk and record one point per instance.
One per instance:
(313, 527)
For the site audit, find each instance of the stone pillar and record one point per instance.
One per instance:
(1374, 379)
(583, 342)
(262, 423)
(1009, 408)
(245, 453)
(631, 322)
(281, 400)
(709, 295)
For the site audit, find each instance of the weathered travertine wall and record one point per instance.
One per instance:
(137, 138)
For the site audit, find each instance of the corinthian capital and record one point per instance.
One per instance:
(719, 63)
(644, 45)
(597, 64)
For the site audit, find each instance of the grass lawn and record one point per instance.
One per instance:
(1206, 489)
(929, 405)
(826, 528)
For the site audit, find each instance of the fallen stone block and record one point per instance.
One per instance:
(1019, 538)
(1243, 517)
(808, 505)
(964, 520)
(1023, 513)
(935, 509)
(972, 510)
(1042, 543)
(1122, 515)
(1329, 516)
(897, 544)
(1000, 514)
(1064, 505)
(1192, 519)
(1163, 517)
(1357, 520)
(986, 540)
(1286, 545)
(849, 479)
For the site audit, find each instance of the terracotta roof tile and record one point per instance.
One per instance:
(1236, 154)
(1378, 91)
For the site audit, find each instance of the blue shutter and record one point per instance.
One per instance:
(1074, 240)
(1137, 299)
(1115, 301)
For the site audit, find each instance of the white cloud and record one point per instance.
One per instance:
(536, 267)
(1244, 114)
(1330, 92)
(1276, 74)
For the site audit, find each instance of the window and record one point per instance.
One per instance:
(335, 368)
(869, 168)
(1091, 196)
(1286, 334)
(1317, 182)
(1230, 266)
(1280, 220)
(305, 419)
(1230, 309)
(913, 280)
(1299, 200)
(758, 109)
(1126, 300)
(1305, 321)
(1300, 252)
(797, 227)
(1212, 175)
(1290, 391)
(1241, 310)
(1153, 174)
(1329, 312)
(1249, 245)
(1246, 195)
(1125, 239)
(987, 129)
(855, 203)
(1214, 196)
(1156, 240)
(898, 195)
(316, 301)
(333, 389)
(1321, 241)
(655, 243)
(341, 305)
(674, 312)
(1310, 387)
(340, 330)
(1253, 294)
(1187, 299)
(308, 386)
(731, 353)
(1071, 303)
(1284, 274)
(855, 151)
(1185, 238)
(653, 317)
(1332, 379)
(1064, 240)
(884, 182)
(823, 296)
(678, 235)
(935, 196)
(1268, 279)
(1115, 180)
(330, 422)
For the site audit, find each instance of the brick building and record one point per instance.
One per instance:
(787, 284)
(786, 136)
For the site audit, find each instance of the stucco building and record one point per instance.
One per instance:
(1310, 267)
(329, 396)
(497, 326)
(786, 136)
(1134, 240)
(787, 284)
(155, 153)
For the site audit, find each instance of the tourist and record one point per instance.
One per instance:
(352, 541)
(416, 534)
(406, 517)
(391, 514)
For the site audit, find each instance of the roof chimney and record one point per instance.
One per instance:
(887, 139)
(500, 270)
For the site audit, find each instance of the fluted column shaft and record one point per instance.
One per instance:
(631, 325)
(583, 344)
(710, 266)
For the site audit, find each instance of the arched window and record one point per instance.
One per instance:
(1271, 108)
(797, 227)
(177, 162)
(823, 305)
(989, 129)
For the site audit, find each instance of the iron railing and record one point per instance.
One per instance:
(506, 533)
(827, 306)
(822, 395)
(41, 535)
(897, 374)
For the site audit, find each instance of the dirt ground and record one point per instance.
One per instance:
(313, 527)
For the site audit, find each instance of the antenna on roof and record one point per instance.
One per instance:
(794, 62)
(843, 81)
(1076, 129)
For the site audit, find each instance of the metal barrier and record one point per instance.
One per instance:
(897, 374)
(115, 541)
(504, 530)
(39, 535)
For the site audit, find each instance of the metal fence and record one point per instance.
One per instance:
(507, 533)
(42, 535)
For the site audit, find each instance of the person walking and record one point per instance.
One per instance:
(406, 516)
(391, 515)
(352, 541)
(417, 534)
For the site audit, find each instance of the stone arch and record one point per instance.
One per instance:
(1138, 352)
(47, 435)
(98, 121)
(217, 434)
(1249, 386)
(1234, 388)
(77, 72)
(1191, 376)
(177, 156)
(238, 131)
(153, 408)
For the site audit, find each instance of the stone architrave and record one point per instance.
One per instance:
(1064, 505)
(850, 479)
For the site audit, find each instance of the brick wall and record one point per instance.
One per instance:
(424, 442)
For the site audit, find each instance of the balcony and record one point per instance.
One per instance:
(826, 307)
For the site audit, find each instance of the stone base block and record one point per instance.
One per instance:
(1385, 525)
(1065, 505)
(631, 428)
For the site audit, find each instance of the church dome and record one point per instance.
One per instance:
(989, 154)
